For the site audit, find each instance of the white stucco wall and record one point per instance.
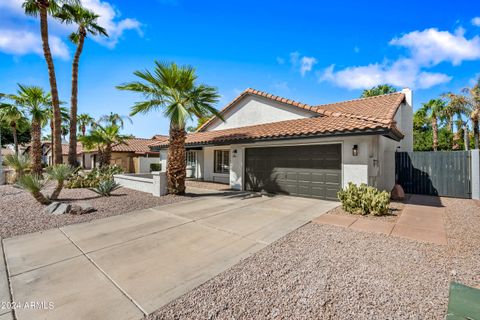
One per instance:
(253, 110)
(404, 119)
(208, 163)
(163, 159)
(144, 164)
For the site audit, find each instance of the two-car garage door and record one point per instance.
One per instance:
(307, 171)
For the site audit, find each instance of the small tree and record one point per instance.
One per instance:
(19, 163)
(15, 118)
(103, 139)
(59, 173)
(34, 183)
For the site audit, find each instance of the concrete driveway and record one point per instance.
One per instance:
(127, 266)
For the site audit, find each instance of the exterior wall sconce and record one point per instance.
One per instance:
(355, 150)
(235, 151)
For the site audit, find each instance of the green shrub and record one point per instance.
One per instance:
(155, 167)
(106, 187)
(364, 200)
(92, 178)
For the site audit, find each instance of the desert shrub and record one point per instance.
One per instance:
(91, 179)
(59, 173)
(364, 200)
(106, 187)
(19, 163)
(33, 184)
(155, 167)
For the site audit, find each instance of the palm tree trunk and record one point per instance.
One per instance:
(15, 138)
(72, 150)
(57, 190)
(41, 198)
(176, 169)
(36, 148)
(57, 128)
(475, 132)
(435, 134)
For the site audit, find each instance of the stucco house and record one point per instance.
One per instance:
(134, 156)
(282, 146)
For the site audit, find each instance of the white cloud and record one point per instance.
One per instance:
(431, 46)
(401, 73)
(109, 20)
(19, 43)
(303, 63)
(476, 21)
(425, 49)
(280, 60)
(306, 64)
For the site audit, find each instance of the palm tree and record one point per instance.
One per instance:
(378, 90)
(86, 22)
(15, 118)
(64, 114)
(83, 121)
(173, 89)
(43, 8)
(434, 110)
(473, 109)
(114, 119)
(456, 104)
(103, 139)
(35, 101)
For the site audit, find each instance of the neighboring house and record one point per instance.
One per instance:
(135, 156)
(83, 158)
(45, 148)
(282, 146)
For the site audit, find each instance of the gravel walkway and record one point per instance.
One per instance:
(21, 214)
(327, 272)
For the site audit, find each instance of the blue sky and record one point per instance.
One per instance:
(314, 52)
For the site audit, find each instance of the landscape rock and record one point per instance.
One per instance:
(397, 193)
(81, 207)
(51, 207)
(62, 209)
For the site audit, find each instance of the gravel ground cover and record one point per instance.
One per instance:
(21, 214)
(327, 272)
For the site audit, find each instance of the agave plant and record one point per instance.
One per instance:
(106, 187)
(59, 173)
(19, 163)
(34, 184)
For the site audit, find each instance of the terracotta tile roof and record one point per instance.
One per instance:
(307, 127)
(380, 108)
(65, 148)
(137, 145)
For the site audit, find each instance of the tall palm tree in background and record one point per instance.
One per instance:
(43, 8)
(103, 139)
(378, 90)
(434, 110)
(174, 91)
(473, 109)
(456, 105)
(84, 120)
(35, 102)
(64, 115)
(14, 117)
(115, 119)
(86, 22)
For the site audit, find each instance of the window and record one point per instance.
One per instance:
(221, 161)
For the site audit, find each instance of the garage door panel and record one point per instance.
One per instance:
(310, 171)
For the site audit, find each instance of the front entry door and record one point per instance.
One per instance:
(191, 164)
